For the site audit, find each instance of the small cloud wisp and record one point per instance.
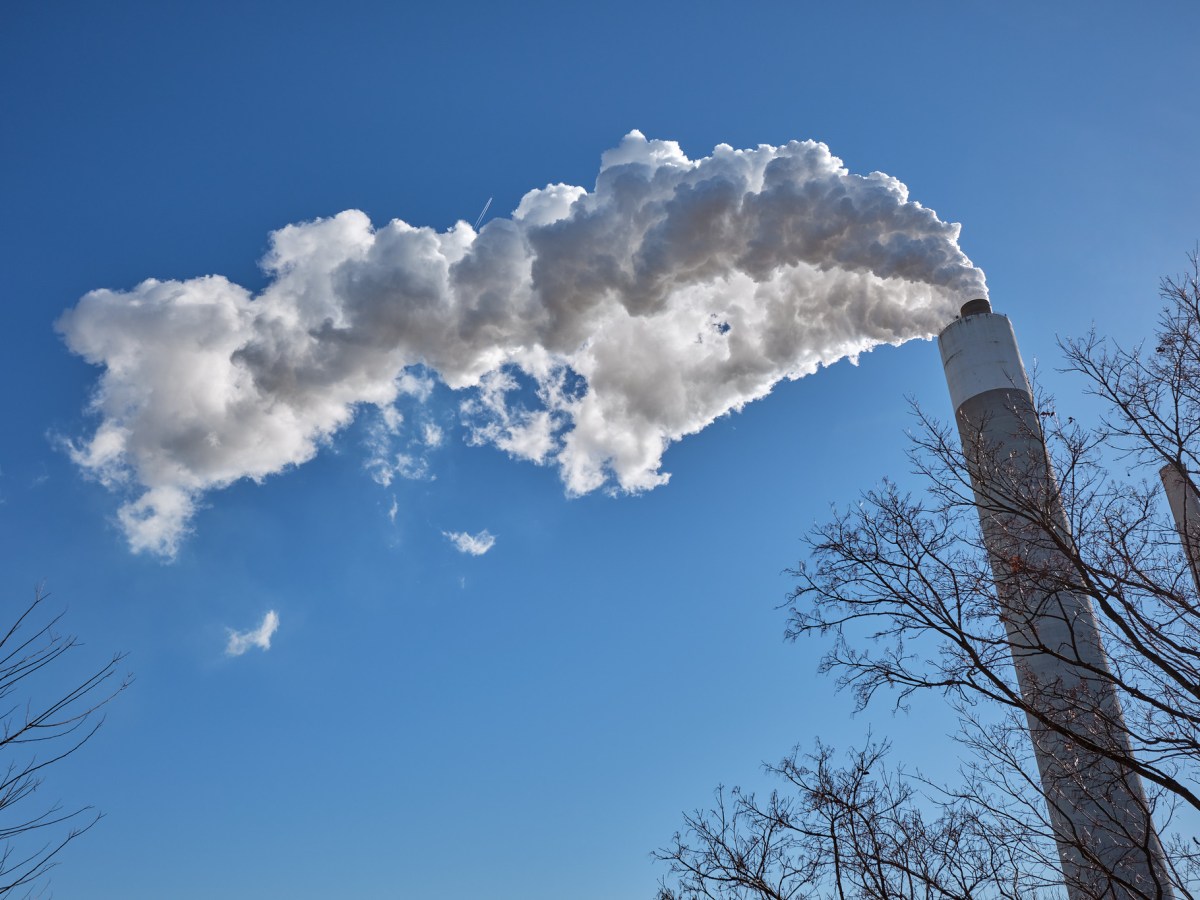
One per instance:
(471, 544)
(241, 641)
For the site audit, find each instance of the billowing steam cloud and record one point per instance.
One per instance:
(672, 293)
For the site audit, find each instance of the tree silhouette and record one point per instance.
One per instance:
(42, 723)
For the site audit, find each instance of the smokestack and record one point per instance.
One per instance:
(1185, 508)
(1098, 807)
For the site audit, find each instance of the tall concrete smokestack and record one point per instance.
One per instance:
(1098, 808)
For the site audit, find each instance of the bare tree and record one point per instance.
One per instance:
(861, 829)
(904, 589)
(42, 723)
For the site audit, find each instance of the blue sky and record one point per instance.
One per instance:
(530, 722)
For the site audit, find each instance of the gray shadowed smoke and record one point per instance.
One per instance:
(675, 291)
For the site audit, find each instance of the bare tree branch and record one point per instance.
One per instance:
(36, 735)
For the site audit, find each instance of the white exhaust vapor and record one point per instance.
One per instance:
(673, 292)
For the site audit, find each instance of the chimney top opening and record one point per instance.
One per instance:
(975, 307)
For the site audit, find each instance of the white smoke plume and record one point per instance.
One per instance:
(672, 293)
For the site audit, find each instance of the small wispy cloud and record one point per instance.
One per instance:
(393, 454)
(432, 435)
(241, 641)
(472, 544)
